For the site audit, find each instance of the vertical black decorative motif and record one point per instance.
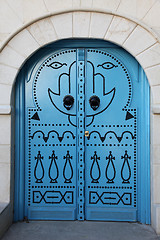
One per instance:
(39, 169)
(110, 169)
(53, 169)
(95, 171)
(68, 169)
(126, 170)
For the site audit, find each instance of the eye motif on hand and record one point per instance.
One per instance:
(107, 65)
(57, 65)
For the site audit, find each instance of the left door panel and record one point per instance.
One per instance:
(50, 139)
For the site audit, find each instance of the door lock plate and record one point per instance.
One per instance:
(86, 133)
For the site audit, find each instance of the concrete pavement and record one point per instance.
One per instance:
(75, 230)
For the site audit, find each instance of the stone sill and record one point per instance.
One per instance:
(156, 109)
(5, 109)
(6, 217)
(3, 205)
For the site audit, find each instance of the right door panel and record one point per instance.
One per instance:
(112, 102)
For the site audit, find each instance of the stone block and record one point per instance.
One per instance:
(158, 220)
(81, 23)
(76, 4)
(9, 21)
(155, 93)
(3, 37)
(5, 129)
(47, 29)
(24, 43)
(152, 16)
(106, 5)
(33, 9)
(157, 31)
(17, 6)
(43, 32)
(99, 24)
(5, 94)
(150, 57)
(86, 4)
(153, 74)
(54, 6)
(37, 33)
(156, 181)
(7, 74)
(5, 153)
(11, 57)
(63, 25)
(136, 8)
(156, 154)
(139, 40)
(155, 133)
(119, 30)
(5, 182)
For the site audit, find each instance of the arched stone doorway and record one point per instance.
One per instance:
(27, 39)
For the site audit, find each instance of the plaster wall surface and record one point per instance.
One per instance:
(27, 25)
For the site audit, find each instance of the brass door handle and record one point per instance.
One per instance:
(86, 133)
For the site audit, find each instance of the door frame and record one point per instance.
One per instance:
(144, 151)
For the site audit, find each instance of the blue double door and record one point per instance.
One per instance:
(81, 136)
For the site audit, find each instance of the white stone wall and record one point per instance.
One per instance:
(26, 25)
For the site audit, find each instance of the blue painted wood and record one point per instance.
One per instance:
(80, 132)
(111, 148)
(19, 148)
(67, 175)
(51, 139)
(144, 143)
